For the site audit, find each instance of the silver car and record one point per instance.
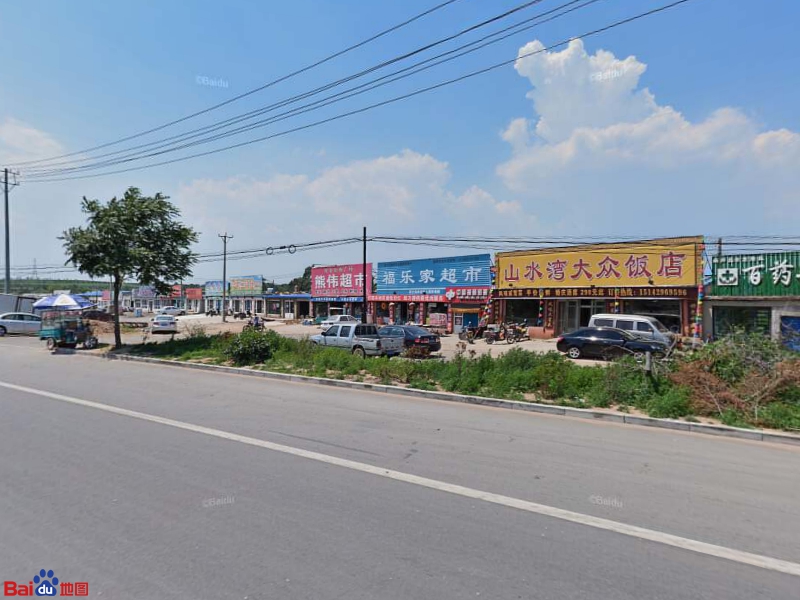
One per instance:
(24, 323)
(164, 324)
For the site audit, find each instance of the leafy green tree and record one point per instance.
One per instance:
(134, 237)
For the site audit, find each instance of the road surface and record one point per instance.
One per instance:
(158, 483)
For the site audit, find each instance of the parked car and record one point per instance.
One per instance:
(360, 339)
(642, 326)
(26, 323)
(172, 310)
(163, 324)
(336, 319)
(607, 342)
(412, 336)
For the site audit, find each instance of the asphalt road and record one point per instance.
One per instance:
(158, 483)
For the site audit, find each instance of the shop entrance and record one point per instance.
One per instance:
(573, 314)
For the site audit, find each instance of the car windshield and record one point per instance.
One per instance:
(417, 331)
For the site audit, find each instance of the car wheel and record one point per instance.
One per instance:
(2, 331)
(359, 351)
(574, 352)
(638, 356)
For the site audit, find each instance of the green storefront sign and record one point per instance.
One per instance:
(771, 274)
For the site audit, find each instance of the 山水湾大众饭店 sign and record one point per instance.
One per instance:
(665, 263)
(769, 274)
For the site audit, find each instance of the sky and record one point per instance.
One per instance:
(682, 123)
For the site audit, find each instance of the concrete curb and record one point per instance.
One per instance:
(720, 430)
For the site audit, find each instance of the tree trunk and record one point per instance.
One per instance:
(117, 332)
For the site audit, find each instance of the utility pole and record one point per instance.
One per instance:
(719, 248)
(364, 271)
(225, 237)
(7, 285)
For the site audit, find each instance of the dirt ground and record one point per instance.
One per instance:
(451, 345)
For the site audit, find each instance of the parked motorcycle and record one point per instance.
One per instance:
(212, 312)
(495, 335)
(517, 333)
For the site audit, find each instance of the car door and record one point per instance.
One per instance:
(343, 340)
(31, 323)
(606, 343)
(645, 330)
(329, 337)
(13, 323)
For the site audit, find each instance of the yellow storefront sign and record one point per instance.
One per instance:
(673, 263)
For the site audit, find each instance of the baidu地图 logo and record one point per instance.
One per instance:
(45, 583)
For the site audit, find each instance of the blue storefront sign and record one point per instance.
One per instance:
(213, 289)
(433, 276)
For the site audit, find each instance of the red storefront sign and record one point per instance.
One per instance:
(340, 280)
(106, 295)
(194, 293)
(176, 292)
(467, 295)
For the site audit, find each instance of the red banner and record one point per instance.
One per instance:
(340, 281)
(194, 293)
(408, 298)
(176, 291)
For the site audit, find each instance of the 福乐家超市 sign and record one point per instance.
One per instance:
(340, 281)
(603, 266)
(433, 276)
(248, 285)
(770, 274)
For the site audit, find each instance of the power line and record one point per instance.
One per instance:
(171, 142)
(379, 104)
(254, 90)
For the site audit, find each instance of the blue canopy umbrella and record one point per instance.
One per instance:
(62, 302)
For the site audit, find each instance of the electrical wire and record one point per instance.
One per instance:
(170, 142)
(382, 103)
(254, 90)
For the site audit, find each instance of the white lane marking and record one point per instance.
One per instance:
(746, 558)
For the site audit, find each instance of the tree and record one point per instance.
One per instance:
(133, 237)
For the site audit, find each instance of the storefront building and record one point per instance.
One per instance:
(755, 293)
(287, 306)
(212, 295)
(246, 293)
(557, 290)
(443, 293)
(193, 299)
(339, 289)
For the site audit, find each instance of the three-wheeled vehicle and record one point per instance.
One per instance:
(66, 329)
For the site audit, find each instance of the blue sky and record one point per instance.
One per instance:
(697, 134)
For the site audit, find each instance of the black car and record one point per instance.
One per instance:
(607, 342)
(413, 336)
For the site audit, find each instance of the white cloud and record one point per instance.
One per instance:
(618, 162)
(403, 194)
(21, 142)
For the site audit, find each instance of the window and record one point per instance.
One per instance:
(644, 327)
(345, 331)
(31, 318)
(13, 318)
(608, 335)
(624, 325)
(603, 323)
(332, 331)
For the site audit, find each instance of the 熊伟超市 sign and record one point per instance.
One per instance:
(671, 263)
(433, 276)
(340, 281)
(769, 274)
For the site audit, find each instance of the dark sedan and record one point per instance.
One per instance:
(607, 342)
(413, 336)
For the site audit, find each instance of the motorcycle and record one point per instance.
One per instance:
(495, 335)
(251, 325)
(517, 333)
(212, 312)
(467, 334)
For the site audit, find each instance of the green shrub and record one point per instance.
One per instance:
(671, 404)
(780, 415)
(248, 348)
